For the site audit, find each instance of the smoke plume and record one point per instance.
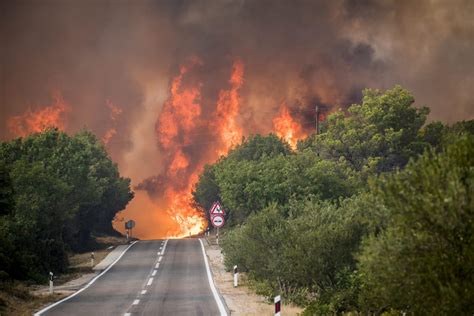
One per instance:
(171, 85)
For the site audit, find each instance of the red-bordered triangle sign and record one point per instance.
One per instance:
(216, 209)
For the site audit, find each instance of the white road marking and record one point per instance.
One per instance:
(135, 302)
(164, 246)
(159, 258)
(153, 273)
(157, 265)
(143, 292)
(150, 281)
(127, 314)
(158, 253)
(87, 285)
(220, 305)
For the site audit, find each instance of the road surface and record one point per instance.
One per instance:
(153, 277)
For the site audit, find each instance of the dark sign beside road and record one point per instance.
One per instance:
(130, 224)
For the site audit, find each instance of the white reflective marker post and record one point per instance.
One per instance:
(277, 305)
(92, 259)
(236, 276)
(51, 282)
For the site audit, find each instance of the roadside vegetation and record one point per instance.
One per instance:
(375, 214)
(57, 193)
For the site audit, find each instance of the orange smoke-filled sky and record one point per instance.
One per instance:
(171, 85)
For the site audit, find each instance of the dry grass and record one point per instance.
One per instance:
(15, 299)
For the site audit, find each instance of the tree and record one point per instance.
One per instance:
(423, 261)
(57, 190)
(380, 135)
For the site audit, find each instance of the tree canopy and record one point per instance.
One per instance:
(373, 214)
(56, 190)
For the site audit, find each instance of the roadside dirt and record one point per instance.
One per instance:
(240, 300)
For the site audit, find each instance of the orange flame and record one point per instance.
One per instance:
(287, 128)
(180, 111)
(115, 113)
(228, 107)
(35, 121)
(170, 203)
(178, 118)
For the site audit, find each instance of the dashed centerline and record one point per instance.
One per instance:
(153, 273)
(150, 281)
(135, 302)
(143, 292)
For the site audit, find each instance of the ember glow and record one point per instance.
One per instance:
(287, 128)
(37, 120)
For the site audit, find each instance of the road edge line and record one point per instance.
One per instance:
(38, 313)
(217, 298)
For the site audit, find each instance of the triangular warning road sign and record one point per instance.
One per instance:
(216, 209)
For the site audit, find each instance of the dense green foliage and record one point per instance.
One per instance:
(347, 222)
(428, 246)
(381, 134)
(55, 191)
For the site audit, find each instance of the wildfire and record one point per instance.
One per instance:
(176, 123)
(35, 121)
(227, 110)
(115, 113)
(178, 129)
(287, 128)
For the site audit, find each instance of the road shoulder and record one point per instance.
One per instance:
(240, 300)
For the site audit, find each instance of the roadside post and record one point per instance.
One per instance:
(236, 276)
(277, 305)
(51, 282)
(92, 259)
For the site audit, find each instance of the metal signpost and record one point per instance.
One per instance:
(217, 217)
(129, 226)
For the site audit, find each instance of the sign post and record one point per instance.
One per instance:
(217, 217)
(129, 226)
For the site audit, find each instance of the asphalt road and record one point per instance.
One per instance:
(146, 281)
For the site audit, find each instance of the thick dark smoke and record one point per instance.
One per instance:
(298, 52)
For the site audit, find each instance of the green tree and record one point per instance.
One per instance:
(381, 134)
(424, 261)
(62, 189)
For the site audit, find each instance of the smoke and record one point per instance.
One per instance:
(297, 53)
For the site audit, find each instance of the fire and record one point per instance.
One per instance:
(176, 123)
(227, 110)
(179, 129)
(115, 113)
(180, 112)
(287, 128)
(35, 121)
